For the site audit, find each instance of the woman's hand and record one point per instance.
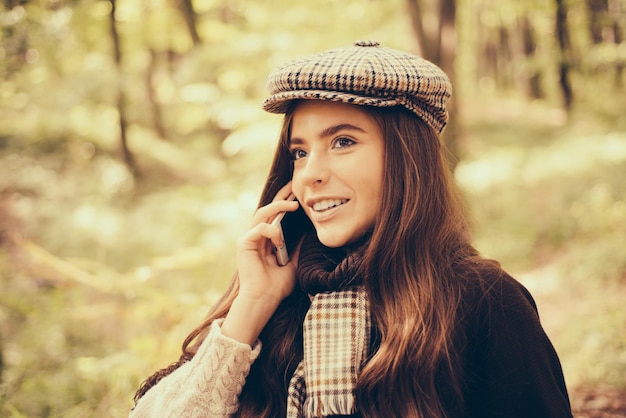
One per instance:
(263, 284)
(259, 273)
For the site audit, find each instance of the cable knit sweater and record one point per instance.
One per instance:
(206, 386)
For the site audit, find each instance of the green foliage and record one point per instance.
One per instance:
(104, 273)
(547, 199)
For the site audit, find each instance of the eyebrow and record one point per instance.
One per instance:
(330, 131)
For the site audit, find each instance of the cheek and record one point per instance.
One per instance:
(374, 197)
(370, 199)
(373, 209)
(297, 190)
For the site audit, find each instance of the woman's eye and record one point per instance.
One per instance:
(298, 153)
(343, 142)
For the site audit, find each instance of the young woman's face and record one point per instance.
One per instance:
(338, 153)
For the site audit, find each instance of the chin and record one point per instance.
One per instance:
(332, 243)
(331, 240)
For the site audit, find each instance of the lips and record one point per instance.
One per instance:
(327, 204)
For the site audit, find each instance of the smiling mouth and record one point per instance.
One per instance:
(324, 205)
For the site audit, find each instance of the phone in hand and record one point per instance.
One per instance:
(282, 253)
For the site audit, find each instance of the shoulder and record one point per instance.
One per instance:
(491, 293)
(500, 318)
(512, 366)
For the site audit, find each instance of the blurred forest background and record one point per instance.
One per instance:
(133, 149)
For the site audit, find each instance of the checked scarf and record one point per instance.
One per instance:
(336, 332)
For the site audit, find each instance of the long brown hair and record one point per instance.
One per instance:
(417, 262)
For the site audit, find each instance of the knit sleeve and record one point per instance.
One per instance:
(515, 369)
(208, 385)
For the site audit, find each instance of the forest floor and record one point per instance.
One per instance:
(587, 400)
(598, 402)
(560, 309)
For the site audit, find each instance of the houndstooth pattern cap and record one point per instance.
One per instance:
(365, 73)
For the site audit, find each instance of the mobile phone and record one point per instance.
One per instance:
(282, 253)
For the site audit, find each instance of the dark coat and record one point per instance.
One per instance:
(511, 369)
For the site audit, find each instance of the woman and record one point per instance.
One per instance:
(385, 309)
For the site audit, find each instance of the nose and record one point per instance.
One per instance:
(311, 170)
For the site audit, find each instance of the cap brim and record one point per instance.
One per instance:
(279, 103)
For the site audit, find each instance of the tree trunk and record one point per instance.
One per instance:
(425, 47)
(440, 48)
(447, 37)
(529, 47)
(562, 35)
(447, 53)
(121, 100)
(189, 14)
(155, 106)
(488, 61)
(597, 11)
(505, 58)
(1, 358)
(615, 12)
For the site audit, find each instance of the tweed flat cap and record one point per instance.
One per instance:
(364, 74)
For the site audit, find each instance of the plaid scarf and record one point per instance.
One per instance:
(336, 332)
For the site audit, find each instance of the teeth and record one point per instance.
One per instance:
(327, 204)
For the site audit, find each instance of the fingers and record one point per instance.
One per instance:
(263, 235)
(255, 238)
(279, 204)
(267, 213)
(283, 193)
